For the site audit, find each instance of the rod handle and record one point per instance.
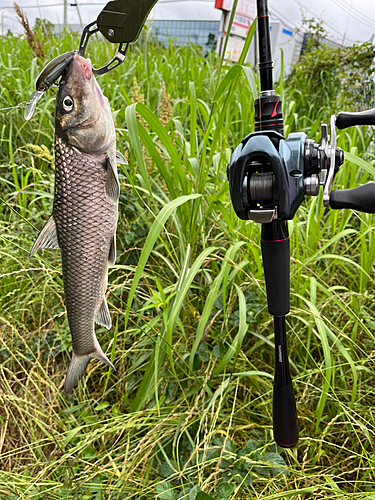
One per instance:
(344, 120)
(276, 264)
(285, 423)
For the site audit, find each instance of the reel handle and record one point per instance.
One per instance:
(361, 198)
(344, 119)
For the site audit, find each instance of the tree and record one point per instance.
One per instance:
(47, 26)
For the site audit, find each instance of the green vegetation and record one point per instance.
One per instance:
(331, 78)
(188, 412)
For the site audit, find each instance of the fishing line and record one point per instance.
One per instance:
(20, 105)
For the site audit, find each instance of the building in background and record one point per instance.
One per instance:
(204, 33)
(209, 34)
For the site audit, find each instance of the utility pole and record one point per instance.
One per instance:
(65, 14)
(78, 12)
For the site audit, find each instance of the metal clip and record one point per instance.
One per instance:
(89, 30)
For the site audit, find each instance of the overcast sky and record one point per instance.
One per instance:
(345, 20)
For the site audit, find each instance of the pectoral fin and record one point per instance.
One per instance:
(112, 186)
(120, 158)
(47, 237)
(103, 318)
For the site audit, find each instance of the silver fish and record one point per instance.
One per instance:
(84, 216)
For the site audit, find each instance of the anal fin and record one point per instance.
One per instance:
(103, 317)
(112, 186)
(47, 237)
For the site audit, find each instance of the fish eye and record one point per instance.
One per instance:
(67, 103)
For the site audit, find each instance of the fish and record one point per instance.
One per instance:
(85, 209)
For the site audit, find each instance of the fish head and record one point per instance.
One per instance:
(83, 117)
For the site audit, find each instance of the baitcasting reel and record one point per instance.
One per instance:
(269, 176)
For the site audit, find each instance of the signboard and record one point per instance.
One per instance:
(243, 19)
(246, 8)
(240, 25)
(234, 49)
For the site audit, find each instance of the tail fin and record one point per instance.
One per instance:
(78, 365)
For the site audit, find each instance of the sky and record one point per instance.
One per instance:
(346, 21)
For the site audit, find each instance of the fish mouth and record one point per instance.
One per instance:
(84, 66)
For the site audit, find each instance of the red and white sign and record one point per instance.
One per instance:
(243, 19)
(245, 8)
(240, 25)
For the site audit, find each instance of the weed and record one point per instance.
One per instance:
(188, 412)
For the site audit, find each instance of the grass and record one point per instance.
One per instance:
(188, 412)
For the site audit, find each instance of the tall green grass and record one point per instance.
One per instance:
(189, 407)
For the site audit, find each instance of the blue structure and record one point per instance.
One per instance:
(203, 33)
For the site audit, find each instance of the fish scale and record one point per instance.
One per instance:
(85, 221)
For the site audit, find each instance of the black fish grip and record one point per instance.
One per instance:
(120, 22)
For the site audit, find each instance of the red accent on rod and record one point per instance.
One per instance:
(274, 110)
(275, 241)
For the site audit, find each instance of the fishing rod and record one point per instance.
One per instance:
(269, 177)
